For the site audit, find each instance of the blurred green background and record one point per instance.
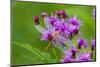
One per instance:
(24, 32)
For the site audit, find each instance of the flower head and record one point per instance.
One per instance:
(93, 44)
(47, 36)
(58, 12)
(70, 55)
(52, 20)
(81, 43)
(36, 20)
(74, 21)
(84, 57)
(68, 59)
(64, 15)
(71, 52)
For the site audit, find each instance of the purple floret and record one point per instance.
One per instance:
(93, 44)
(74, 21)
(52, 20)
(85, 57)
(68, 59)
(81, 43)
(70, 55)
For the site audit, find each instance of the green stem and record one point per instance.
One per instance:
(54, 53)
(47, 47)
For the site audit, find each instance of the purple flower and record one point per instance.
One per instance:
(57, 28)
(47, 36)
(71, 52)
(84, 57)
(70, 55)
(36, 20)
(81, 43)
(71, 28)
(64, 15)
(93, 44)
(74, 21)
(52, 20)
(68, 59)
(58, 12)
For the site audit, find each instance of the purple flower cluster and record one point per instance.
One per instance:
(81, 58)
(75, 55)
(58, 28)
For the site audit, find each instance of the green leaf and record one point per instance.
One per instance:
(45, 57)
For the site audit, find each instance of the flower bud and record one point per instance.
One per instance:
(36, 20)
